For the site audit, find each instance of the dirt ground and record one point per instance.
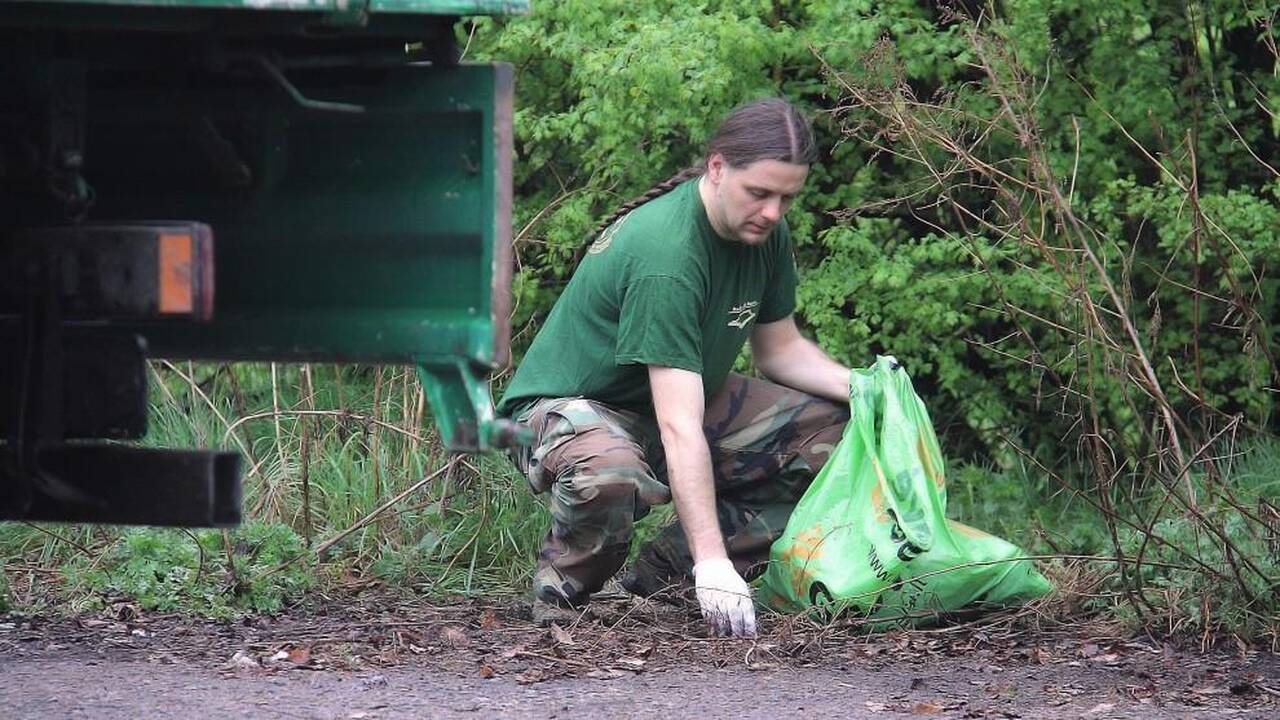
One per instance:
(379, 656)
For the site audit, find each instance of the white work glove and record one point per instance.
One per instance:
(725, 598)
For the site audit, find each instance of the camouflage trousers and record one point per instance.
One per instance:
(604, 468)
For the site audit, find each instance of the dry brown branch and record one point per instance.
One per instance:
(1115, 517)
(1142, 420)
(341, 415)
(323, 547)
(309, 401)
(196, 390)
(45, 531)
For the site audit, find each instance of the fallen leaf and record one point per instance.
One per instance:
(241, 660)
(927, 708)
(405, 637)
(299, 656)
(512, 651)
(373, 681)
(561, 635)
(1245, 686)
(486, 671)
(630, 663)
(488, 620)
(126, 611)
(1210, 691)
(531, 676)
(453, 637)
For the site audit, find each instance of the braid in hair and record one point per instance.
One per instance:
(657, 190)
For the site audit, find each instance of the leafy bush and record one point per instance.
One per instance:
(173, 570)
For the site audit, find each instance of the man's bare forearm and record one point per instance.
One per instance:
(693, 489)
(678, 406)
(801, 365)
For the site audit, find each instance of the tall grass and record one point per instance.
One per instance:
(322, 448)
(475, 530)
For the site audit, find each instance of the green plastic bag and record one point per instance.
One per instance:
(871, 536)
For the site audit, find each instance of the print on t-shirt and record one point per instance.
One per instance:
(741, 316)
(606, 237)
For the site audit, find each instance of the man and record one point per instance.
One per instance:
(629, 393)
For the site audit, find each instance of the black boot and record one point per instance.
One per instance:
(653, 576)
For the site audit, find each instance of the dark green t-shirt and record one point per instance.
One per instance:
(658, 287)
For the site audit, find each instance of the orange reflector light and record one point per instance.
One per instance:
(176, 292)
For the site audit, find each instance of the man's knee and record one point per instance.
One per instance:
(600, 468)
(573, 434)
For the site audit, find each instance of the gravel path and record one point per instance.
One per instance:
(376, 659)
(89, 688)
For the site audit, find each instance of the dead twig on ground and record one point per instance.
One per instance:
(323, 548)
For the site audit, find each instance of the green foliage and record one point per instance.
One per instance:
(1006, 168)
(1255, 477)
(6, 604)
(473, 531)
(480, 540)
(1026, 507)
(1220, 573)
(1226, 362)
(273, 559)
(927, 301)
(174, 570)
(157, 568)
(1205, 581)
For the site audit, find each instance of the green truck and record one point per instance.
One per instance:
(285, 180)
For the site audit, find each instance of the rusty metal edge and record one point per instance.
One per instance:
(504, 148)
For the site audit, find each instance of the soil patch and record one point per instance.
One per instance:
(385, 655)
